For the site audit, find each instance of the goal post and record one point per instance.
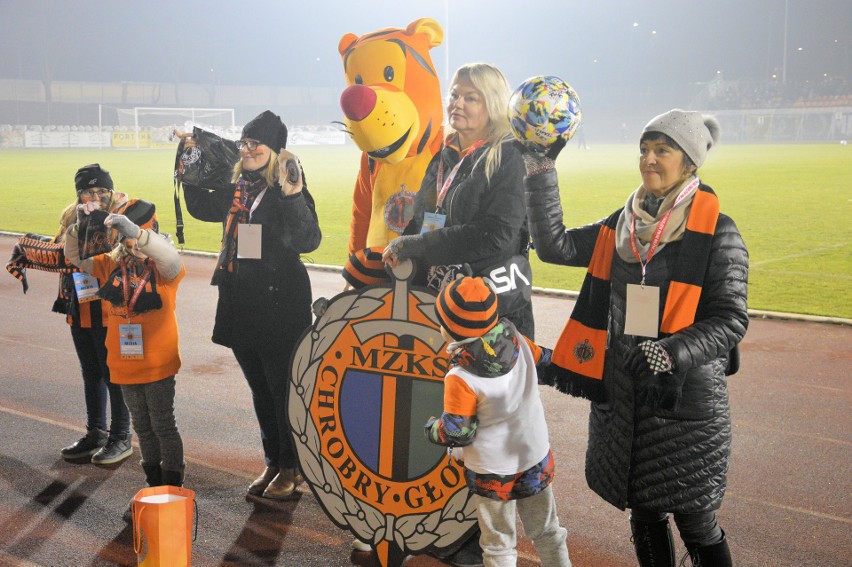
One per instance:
(152, 126)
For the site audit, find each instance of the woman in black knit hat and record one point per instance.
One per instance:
(106, 441)
(264, 303)
(652, 337)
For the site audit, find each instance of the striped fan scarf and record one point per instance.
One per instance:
(245, 193)
(39, 253)
(578, 358)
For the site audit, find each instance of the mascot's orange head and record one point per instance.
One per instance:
(392, 104)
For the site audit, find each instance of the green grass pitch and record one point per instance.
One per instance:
(792, 204)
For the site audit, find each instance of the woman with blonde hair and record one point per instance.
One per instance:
(264, 291)
(470, 207)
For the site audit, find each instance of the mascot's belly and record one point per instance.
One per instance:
(393, 198)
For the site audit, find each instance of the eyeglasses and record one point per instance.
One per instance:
(89, 193)
(250, 145)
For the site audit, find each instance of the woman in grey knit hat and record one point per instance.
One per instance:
(652, 337)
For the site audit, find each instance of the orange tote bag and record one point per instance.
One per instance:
(162, 526)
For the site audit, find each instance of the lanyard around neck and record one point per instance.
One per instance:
(658, 232)
(130, 302)
(444, 186)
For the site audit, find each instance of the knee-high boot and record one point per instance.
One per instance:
(716, 555)
(653, 543)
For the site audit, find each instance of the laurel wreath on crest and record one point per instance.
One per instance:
(411, 533)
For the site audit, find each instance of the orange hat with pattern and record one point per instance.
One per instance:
(365, 267)
(467, 308)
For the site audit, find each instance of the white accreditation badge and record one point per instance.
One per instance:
(130, 341)
(643, 311)
(249, 241)
(432, 221)
(86, 287)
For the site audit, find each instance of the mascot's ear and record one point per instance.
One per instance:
(346, 42)
(431, 28)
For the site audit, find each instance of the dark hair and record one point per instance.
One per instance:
(654, 136)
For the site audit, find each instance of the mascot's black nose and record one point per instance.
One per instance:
(357, 102)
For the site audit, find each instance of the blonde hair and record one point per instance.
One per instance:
(488, 80)
(270, 174)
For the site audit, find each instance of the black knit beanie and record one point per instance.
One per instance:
(267, 129)
(90, 176)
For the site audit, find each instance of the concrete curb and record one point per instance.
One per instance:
(563, 293)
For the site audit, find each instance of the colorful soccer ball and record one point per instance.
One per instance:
(542, 109)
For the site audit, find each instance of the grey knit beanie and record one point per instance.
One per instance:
(694, 132)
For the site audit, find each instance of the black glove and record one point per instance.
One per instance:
(556, 147)
(405, 247)
(660, 391)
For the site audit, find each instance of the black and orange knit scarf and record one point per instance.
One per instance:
(580, 352)
(38, 253)
(245, 194)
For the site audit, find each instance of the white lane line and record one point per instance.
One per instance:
(806, 274)
(730, 494)
(801, 254)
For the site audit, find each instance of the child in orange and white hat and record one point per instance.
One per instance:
(492, 409)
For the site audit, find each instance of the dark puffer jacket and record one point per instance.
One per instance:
(264, 301)
(485, 219)
(673, 461)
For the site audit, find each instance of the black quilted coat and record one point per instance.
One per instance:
(671, 461)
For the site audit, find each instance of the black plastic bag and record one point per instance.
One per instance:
(210, 165)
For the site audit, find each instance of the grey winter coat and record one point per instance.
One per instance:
(671, 461)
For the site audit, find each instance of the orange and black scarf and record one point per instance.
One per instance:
(578, 358)
(38, 253)
(245, 193)
(124, 281)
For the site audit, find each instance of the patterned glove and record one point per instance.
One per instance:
(125, 227)
(405, 247)
(648, 356)
(538, 160)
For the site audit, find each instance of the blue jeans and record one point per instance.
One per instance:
(92, 353)
(152, 407)
(267, 372)
(696, 530)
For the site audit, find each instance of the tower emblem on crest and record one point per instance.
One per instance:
(363, 381)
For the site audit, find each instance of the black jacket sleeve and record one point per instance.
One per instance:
(298, 214)
(554, 243)
(206, 205)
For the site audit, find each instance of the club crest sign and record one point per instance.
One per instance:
(363, 381)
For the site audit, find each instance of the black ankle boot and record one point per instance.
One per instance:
(153, 475)
(716, 555)
(173, 478)
(653, 543)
